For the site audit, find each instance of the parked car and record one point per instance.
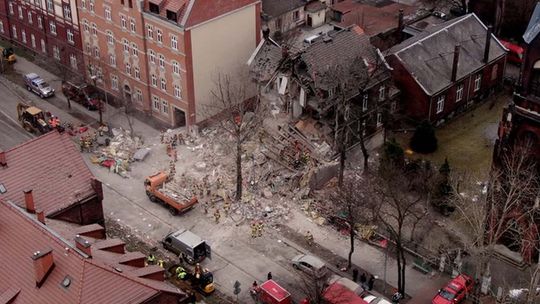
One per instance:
(347, 283)
(36, 84)
(455, 291)
(371, 299)
(187, 245)
(310, 265)
(515, 52)
(82, 93)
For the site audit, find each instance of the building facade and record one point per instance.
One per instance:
(447, 68)
(163, 56)
(47, 27)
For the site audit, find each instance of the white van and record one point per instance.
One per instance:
(311, 39)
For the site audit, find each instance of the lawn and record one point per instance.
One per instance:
(467, 140)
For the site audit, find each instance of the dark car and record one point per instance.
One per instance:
(81, 93)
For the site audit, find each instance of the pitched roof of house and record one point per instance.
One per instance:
(92, 280)
(428, 56)
(265, 60)
(276, 8)
(533, 29)
(52, 167)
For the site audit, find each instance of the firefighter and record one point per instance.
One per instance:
(151, 259)
(260, 227)
(160, 263)
(226, 207)
(217, 215)
(205, 207)
(181, 273)
(309, 238)
(253, 230)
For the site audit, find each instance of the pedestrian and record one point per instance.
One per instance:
(198, 271)
(151, 259)
(370, 282)
(260, 227)
(205, 207)
(161, 263)
(363, 279)
(309, 238)
(162, 136)
(355, 274)
(253, 230)
(269, 276)
(396, 297)
(217, 215)
(192, 298)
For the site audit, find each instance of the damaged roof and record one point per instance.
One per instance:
(90, 280)
(52, 167)
(428, 56)
(265, 60)
(533, 29)
(276, 8)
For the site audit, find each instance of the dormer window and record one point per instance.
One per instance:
(154, 8)
(171, 16)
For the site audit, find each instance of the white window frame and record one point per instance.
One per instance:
(29, 16)
(150, 32)
(114, 82)
(459, 92)
(14, 31)
(33, 40)
(10, 7)
(393, 107)
(379, 119)
(96, 52)
(125, 42)
(70, 36)
(110, 37)
(123, 22)
(156, 103)
(88, 48)
(174, 42)
(177, 92)
(108, 15)
(40, 22)
(83, 4)
(73, 61)
(112, 60)
(92, 6)
(165, 107)
(23, 36)
(134, 49)
(382, 93)
(128, 69)
(159, 36)
(137, 73)
(163, 84)
(440, 104)
(1, 26)
(154, 80)
(477, 82)
(138, 95)
(161, 61)
(152, 56)
(94, 29)
(19, 9)
(56, 52)
(86, 27)
(132, 25)
(50, 5)
(365, 101)
(52, 27)
(67, 12)
(43, 46)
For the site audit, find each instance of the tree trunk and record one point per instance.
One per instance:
(238, 170)
(351, 251)
(341, 165)
(398, 259)
(364, 149)
(402, 271)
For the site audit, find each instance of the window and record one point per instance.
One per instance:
(296, 15)
(126, 45)
(40, 22)
(56, 52)
(365, 99)
(112, 60)
(132, 25)
(43, 46)
(69, 34)
(477, 82)
(128, 68)
(33, 40)
(459, 93)
(67, 12)
(11, 8)
(130, 3)
(159, 36)
(123, 22)
(137, 73)
(152, 56)
(154, 80)
(30, 20)
(177, 92)
(172, 16)
(73, 61)
(163, 84)
(149, 32)
(174, 43)
(165, 105)
(88, 48)
(23, 36)
(52, 27)
(138, 95)
(155, 103)
(154, 8)
(96, 52)
(94, 29)
(161, 61)
(92, 4)
(176, 68)
(86, 27)
(20, 12)
(108, 13)
(50, 5)
(37, 3)
(379, 119)
(1, 26)
(14, 31)
(110, 38)
(134, 50)
(114, 82)
(440, 104)
(382, 93)
(83, 4)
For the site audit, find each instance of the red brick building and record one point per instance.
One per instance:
(447, 67)
(78, 267)
(49, 28)
(49, 173)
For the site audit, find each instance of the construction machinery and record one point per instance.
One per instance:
(32, 119)
(160, 190)
(8, 55)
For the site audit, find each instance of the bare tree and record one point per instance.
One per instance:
(238, 115)
(313, 288)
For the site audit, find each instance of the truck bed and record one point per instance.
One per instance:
(175, 192)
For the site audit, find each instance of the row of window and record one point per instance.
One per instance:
(159, 36)
(459, 92)
(160, 106)
(52, 26)
(50, 7)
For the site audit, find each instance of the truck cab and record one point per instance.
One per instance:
(36, 84)
(187, 245)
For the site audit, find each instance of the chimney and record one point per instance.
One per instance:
(43, 265)
(41, 217)
(265, 32)
(455, 63)
(3, 161)
(29, 201)
(83, 245)
(401, 25)
(488, 44)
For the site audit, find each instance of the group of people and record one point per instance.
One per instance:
(364, 281)
(257, 229)
(151, 260)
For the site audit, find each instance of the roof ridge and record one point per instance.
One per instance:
(32, 140)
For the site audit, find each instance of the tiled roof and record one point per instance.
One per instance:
(533, 29)
(276, 8)
(93, 280)
(199, 11)
(52, 167)
(266, 60)
(428, 56)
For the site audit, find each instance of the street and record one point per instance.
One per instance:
(236, 256)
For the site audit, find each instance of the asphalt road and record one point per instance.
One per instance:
(11, 132)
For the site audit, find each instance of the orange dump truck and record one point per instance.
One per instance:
(160, 190)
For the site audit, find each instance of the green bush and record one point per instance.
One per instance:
(423, 139)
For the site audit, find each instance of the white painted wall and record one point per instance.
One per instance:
(223, 45)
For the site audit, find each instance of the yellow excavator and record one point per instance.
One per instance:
(8, 55)
(32, 119)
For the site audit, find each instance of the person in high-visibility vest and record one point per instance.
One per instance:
(160, 263)
(181, 273)
(151, 259)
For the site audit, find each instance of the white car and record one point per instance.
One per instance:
(371, 299)
(310, 265)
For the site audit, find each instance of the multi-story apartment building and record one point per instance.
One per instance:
(47, 27)
(163, 55)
